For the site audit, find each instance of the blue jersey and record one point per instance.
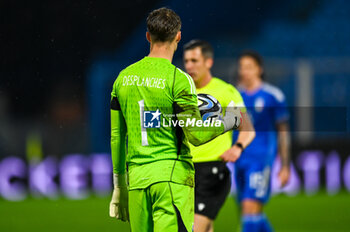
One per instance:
(266, 107)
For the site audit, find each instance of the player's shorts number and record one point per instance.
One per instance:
(260, 181)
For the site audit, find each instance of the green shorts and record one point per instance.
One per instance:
(163, 206)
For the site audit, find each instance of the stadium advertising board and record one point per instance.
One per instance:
(78, 176)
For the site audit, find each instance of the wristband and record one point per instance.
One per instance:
(119, 180)
(240, 146)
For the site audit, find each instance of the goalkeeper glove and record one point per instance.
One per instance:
(232, 118)
(118, 206)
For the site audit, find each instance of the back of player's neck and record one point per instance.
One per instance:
(162, 51)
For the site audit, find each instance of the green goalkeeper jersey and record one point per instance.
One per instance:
(148, 98)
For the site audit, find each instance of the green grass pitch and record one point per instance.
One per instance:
(300, 213)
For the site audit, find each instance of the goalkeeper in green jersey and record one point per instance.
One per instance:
(212, 176)
(147, 98)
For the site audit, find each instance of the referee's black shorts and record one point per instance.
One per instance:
(212, 185)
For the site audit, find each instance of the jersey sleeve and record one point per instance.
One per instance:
(280, 109)
(186, 108)
(118, 134)
(234, 95)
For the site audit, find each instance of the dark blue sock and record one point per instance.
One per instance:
(251, 222)
(255, 223)
(265, 224)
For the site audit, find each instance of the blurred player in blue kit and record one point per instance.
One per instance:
(267, 108)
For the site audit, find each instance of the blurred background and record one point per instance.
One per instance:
(60, 58)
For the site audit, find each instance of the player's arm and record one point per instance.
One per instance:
(118, 135)
(186, 108)
(284, 151)
(118, 207)
(281, 116)
(245, 137)
(246, 131)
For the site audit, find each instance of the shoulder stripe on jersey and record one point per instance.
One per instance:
(274, 91)
(190, 80)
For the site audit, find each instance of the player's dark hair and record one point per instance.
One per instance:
(255, 56)
(206, 49)
(163, 25)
